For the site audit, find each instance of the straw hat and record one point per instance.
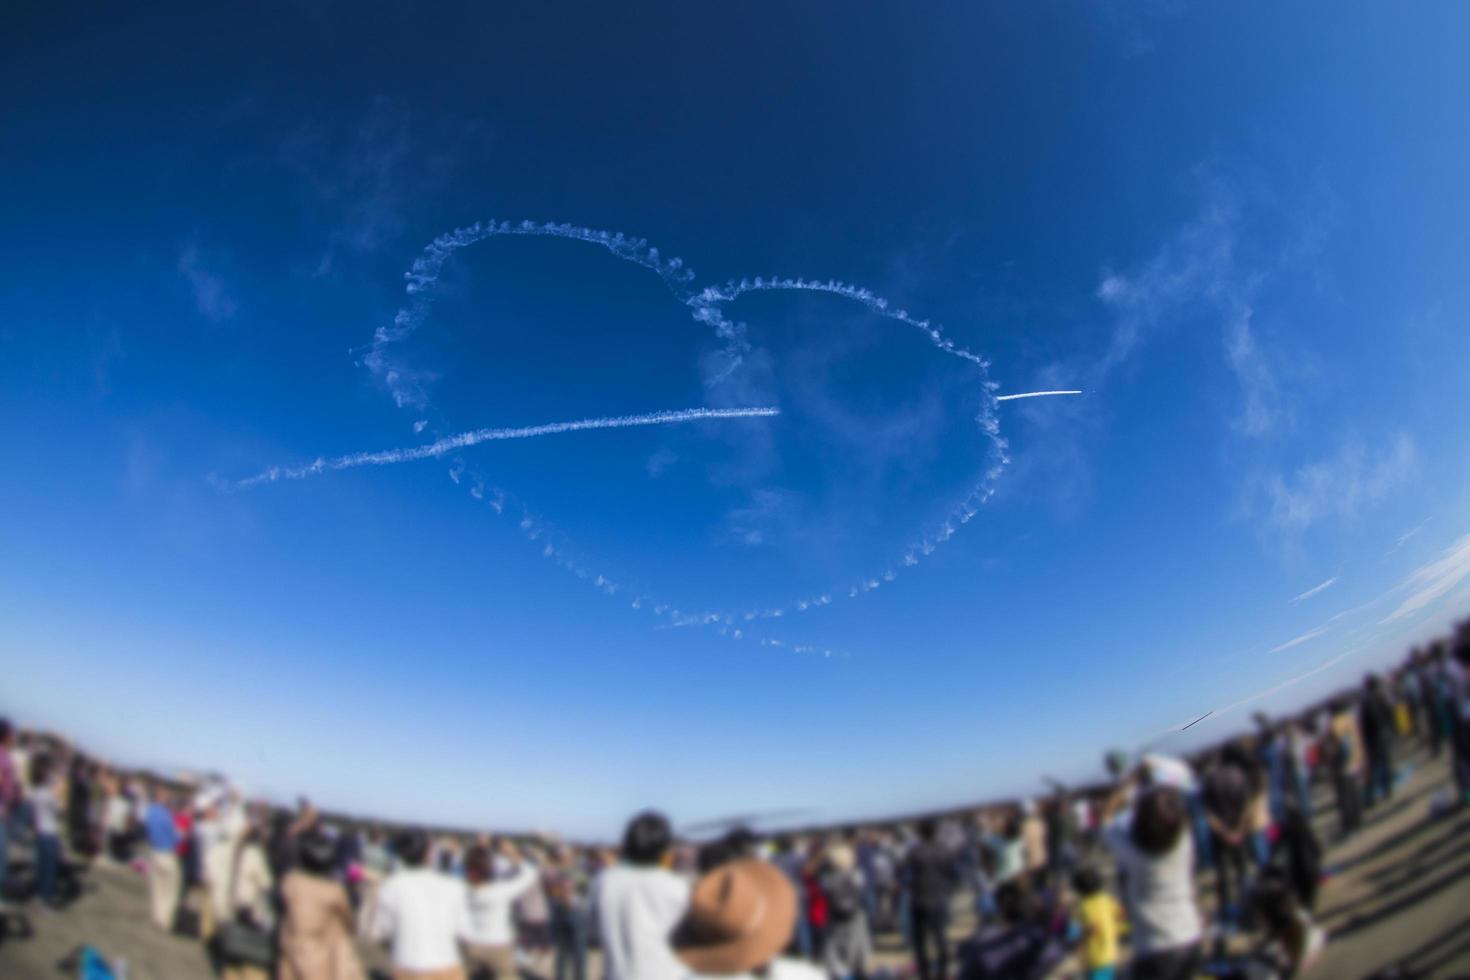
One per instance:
(740, 916)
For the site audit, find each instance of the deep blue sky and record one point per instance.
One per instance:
(1243, 231)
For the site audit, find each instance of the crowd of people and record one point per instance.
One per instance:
(1077, 875)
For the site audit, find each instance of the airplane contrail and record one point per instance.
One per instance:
(464, 440)
(1033, 394)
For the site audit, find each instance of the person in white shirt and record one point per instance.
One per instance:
(637, 903)
(1156, 859)
(490, 934)
(20, 813)
(218, 836)
(422, 913)
(45, 801)
(741, 916)
(117, 821)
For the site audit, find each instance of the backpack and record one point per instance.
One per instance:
(844, 897)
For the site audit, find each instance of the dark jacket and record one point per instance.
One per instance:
(932, 876)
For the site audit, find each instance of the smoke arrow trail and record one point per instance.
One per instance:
(465, 440)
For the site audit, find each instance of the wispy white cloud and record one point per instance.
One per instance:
(1341, 485)
(1291, 681)
(363, 174)
(1188, 279)
(1407, 536)
(1315, 589)
(1197, 263)
(1309, 635)
(1433, 581)
(660, 461)
(1262, 406)
(211, 296)
(1136, 24)
(770, 515)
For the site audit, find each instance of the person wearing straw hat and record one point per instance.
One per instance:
(741, 916)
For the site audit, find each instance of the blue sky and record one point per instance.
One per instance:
(1241, 232)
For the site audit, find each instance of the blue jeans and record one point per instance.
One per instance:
(4, 854)
(569, 935)
(1380, 781)
(48, 863)
(1204, 855)
(21, 822)
(1304, 794)
(1261, 847)
(805, 944)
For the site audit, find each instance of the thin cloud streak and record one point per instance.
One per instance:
(1290, 681)
(1315, 589)
(1434, 580)
(211, 296)
(1310, 634)
(1408, 535)
(465, 440)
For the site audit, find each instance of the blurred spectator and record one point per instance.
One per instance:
(250, 912)
(490, 934)
(10, 795)
(566, 888)
(46, 810)
(1456, 676)
(1061, 835)
(1345, 750)
(1436, 709)
(117, 821)
(1227, 802)
(78, 802)
(740, 917)
(422, 913)
(1300, 854)
(533, 923)
(932, 876)
(792, 861)
(849, 947)
(818, 915)
(1099, 917)
(1376, 725)
(316, 927)
(1290, 941)
(1155, 856)
(164, 879)
(636, 903)
(1301, 747)
(1018, 947)
(1272, 760)
(1033, 844)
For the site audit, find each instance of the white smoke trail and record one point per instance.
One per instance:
(425, 271)
(706, 307)
(1034, 394)
(552, 547)
(465, 440)
(712, 297)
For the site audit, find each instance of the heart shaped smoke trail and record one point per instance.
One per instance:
(706, 306)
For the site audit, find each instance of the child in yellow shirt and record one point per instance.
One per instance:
(1098, 916)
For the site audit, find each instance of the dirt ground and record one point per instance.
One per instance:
(1399, 896)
